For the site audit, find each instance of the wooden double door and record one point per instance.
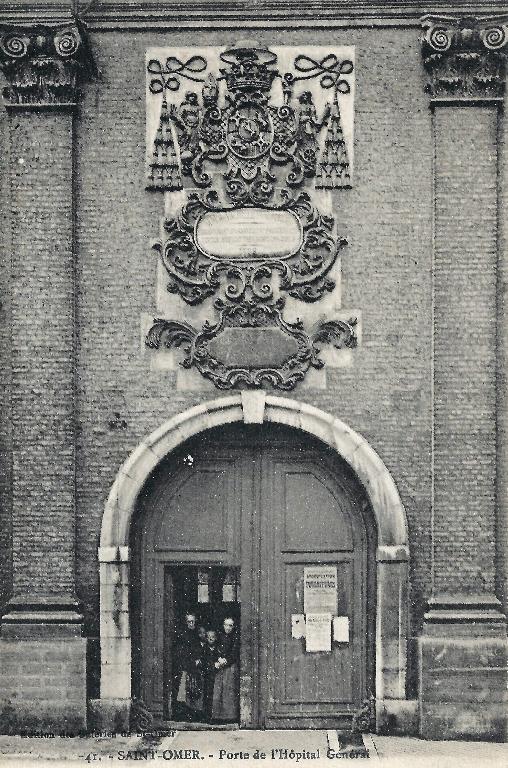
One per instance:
(266, 505)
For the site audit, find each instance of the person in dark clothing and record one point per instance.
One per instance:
(202, 636)
(225, 703)
(189, 685)
(197, 700)
(209, 665)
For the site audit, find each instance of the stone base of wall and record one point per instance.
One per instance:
(463, 676)
(109, 715)
(43, 685)
(397, 717)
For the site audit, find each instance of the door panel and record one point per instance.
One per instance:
(205, 526)
(189, 514)
(306, 491)
(309, 519)
(310, 679)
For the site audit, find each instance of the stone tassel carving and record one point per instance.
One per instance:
(164, 170)
(333, 166)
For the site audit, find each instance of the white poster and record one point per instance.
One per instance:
(320, 589)
(341, 629)
(203, 587)
(203, 593)
(318, 632)
(297, 626)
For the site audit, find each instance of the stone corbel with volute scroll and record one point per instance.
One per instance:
(465, 58)
(44, 63)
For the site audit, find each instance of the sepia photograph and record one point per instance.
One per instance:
(253, 383)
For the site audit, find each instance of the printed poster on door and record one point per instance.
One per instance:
(318, 632)
(320, 589)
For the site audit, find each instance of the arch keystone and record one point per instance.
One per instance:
(253, 406)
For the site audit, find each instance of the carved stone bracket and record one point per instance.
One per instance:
(364, 719)
(251, 345)
(44, 63)
(465, 58)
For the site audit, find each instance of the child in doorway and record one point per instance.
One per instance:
(209, 660)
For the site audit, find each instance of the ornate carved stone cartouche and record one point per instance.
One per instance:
(465, 58)
(43, 63)
(249, 230)
(224, 352)
(303, 272)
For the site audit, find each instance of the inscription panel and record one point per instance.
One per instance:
(253, 347)
(248, 233)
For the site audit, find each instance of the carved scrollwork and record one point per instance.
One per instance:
(43, 63)
(217, 349)
(168, 75)
(67, 42)
(14, 45)
(195, 275)
(464, 58)
(330, 70)
(258, 191)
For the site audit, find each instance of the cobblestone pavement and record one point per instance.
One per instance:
(211, 749)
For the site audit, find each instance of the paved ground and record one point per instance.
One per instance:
(245, 749)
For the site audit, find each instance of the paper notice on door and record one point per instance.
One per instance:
(318, 632)
(341, 629)
(297, 626)
(320, 589)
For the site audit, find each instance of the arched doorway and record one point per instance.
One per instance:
(266, 525)
(391, 569)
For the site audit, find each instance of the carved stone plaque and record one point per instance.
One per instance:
(249, 233)
(243, 142)
(253, 347)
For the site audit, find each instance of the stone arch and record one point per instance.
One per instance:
(256, 407)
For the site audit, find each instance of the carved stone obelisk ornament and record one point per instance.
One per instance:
(333, 170)
(465, 60)
(250, 230)
(164, 169)
(42, 627)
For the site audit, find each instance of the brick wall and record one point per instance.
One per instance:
(5, 369)
(42, 353)
(465, 348)
(385, 274)
(502, 367)
(49, 673)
